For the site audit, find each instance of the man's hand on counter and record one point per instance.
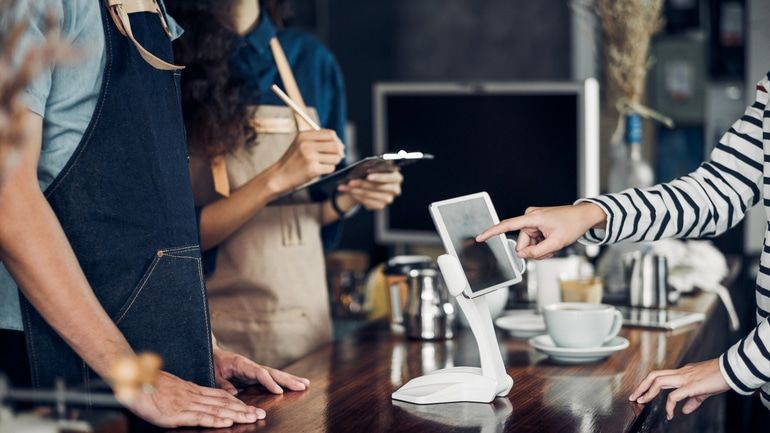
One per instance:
(229, 367)
(178, 403)
(693, 382)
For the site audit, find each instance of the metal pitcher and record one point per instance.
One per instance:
(647, 275)
(428, 315)
(397, 277)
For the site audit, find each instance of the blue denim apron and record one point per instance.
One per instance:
(125, 204)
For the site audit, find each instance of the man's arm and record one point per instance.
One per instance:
(36, 252)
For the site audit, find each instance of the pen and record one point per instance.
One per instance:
(293, 105)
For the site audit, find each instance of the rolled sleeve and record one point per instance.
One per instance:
(34, 100)
(599, 236)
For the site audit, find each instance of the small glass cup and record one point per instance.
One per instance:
(575, 289)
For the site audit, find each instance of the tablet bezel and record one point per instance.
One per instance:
(446, 240)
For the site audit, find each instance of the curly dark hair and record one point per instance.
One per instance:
(216, 119)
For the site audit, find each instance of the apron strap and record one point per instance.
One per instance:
(284, 70)
(119, 10)
(219, 175)
(291, 229)
(218, 164)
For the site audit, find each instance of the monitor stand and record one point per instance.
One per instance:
(458, 384)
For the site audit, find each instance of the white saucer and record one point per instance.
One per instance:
(521, 324)
(569, 355)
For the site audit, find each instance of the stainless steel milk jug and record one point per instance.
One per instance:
(428, 315)
(647, 273)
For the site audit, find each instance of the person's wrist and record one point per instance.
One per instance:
(276, 180)
(344, 202)
(344, 205)
(102, 362)
(594, 215)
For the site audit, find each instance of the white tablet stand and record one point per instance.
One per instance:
(458, 384)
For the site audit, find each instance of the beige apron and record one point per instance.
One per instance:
(268, 294)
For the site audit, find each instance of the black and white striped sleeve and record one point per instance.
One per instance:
(746, 365)
(704, 203)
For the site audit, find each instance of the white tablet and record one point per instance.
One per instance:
(489, 265)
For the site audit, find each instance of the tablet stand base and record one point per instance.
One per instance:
(457, 384)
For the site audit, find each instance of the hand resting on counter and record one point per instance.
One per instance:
(174, 402)
(693, 382)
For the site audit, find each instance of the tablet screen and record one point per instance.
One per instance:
(485, 264)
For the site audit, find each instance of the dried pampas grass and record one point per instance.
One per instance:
(17, 72)
(627, 27)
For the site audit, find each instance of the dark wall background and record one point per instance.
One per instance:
(434, 40)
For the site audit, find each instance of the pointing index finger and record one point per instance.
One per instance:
(508, 225)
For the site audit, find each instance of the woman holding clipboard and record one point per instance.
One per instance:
(267, 291)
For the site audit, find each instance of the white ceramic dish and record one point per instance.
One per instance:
(521, 324)
(569, 355)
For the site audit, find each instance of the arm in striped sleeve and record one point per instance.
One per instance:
(746, 365)
(704, 203)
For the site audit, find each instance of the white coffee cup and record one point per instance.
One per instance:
(580, 324)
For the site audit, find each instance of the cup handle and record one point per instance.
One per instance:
(616, 325)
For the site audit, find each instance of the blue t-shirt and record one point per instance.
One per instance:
(64, 95)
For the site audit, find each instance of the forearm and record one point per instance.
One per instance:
(221, 218)
(36, 252)
(701, 204)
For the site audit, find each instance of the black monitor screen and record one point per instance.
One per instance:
(520, 148)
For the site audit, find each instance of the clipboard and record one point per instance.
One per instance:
(324, 187)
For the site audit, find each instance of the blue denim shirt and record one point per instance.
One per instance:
(317, 74)
(64, 96)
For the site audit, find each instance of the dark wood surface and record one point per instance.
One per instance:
(352, 380)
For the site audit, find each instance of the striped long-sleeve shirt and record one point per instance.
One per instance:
(706, 203)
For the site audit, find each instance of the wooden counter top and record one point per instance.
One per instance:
(352, 380)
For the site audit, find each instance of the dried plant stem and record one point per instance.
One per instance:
(627, 27)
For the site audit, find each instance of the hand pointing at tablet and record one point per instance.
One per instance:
(545, 230)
